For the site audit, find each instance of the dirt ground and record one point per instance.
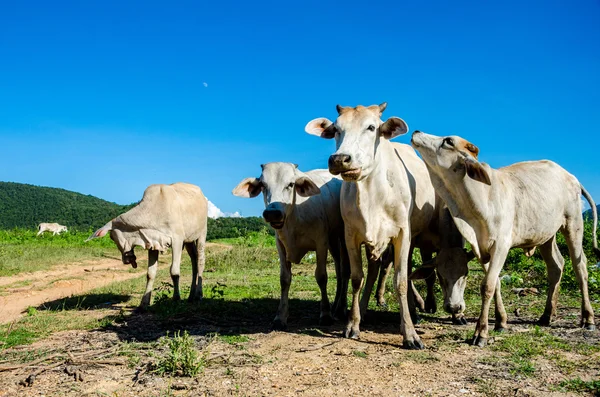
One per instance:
(307, 360)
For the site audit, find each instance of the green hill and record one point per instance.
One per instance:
(26, 206)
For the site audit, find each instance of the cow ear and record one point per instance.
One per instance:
(305, 187)
(476, 171)
(249, 187)
(321, 127)
(424, 272)
(101, 232)
(393, 127)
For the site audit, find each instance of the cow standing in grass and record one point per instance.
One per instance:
(522, 205)
(304, 210)
(168, 216)
(55, 228)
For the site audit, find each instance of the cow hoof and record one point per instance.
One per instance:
(460, 321)
(278, 325)
(413, 345)
(544, 321)
(479, 341)
(326, 320)
(383, 305)
(589, 327)
(499, 329)
(351, 333)
(141, 309)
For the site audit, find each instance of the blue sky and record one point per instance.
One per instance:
(105, 98)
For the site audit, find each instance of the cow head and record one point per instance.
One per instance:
(450, 158)
(279, 183)
(357, 132)
(125, 237)
(452, 270)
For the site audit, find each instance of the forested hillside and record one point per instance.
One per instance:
(25, 206)
(588, 214)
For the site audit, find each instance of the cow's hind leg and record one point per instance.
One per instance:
(196, 252)
(372, 272)
(430, 302)
(321, 277)
(554, 265)
(573, 232)
(150, 277)
(384, 270)
(342, 272)
(177, 249)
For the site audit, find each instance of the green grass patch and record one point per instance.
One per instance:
(580, 386)
(182, 357)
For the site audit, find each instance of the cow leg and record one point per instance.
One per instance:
(501, 318)
(573, 232)
(554, 265)
(414, 298)
(150, 276)
(372, 272)
(342, 271)
(176, 249)
(356, 277)
(321, 277)
(490, 287)
(285, 279)
(196, 253)
(401, 259)
(430, 302)
(384, 271)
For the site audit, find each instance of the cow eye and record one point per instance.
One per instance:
(449, 142)
(371, 127)
(291, 185)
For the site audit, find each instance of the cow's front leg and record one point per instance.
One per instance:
(339, 253)
(177, 249)
(150, 277)
(356, 277)
(321, 277)
(488, 290)
(285, 279)
(372, 272)
(401, 257)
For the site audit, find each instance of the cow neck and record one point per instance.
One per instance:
(376, 180)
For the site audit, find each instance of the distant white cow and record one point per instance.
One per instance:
(304, 210)
(168, 216)
(55, 228)
(522, 205)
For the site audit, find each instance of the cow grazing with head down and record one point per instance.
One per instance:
(304, 210)
(168, 216)
(55, 228)
(522, 205)
(386, 197)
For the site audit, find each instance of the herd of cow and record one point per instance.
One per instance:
(380, 194)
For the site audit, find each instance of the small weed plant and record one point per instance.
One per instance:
(182, 357)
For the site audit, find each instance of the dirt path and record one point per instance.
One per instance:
(21, 291)
(61, 282)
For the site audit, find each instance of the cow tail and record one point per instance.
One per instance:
(590, 200)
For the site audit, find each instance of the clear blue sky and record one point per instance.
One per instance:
(107, 97)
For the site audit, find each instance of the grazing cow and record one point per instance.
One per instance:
(304, 210)
(451, 258)
(386, 197)
(522, 205)
(55, 228)
(168, 216)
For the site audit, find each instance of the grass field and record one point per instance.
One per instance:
(227, 335)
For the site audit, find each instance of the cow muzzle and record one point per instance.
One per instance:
(341, 164)
(274, 217)
(129, 259)
(454, 308)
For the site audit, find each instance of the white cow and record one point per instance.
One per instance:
(304, 210)
(386, 197)
(168, 216)
(55, 228)
(522, 205)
